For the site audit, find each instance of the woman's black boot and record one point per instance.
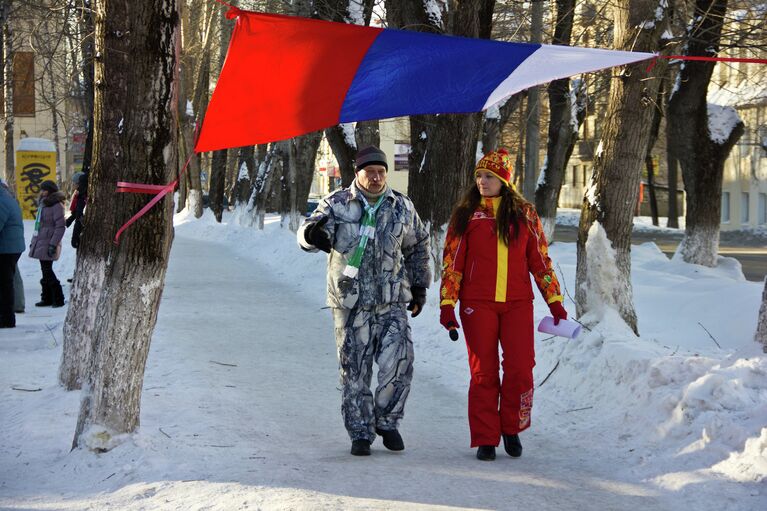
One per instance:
(512, 445)
(45, 295)
(486, 452)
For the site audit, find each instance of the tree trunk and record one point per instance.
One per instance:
(232, 174)
(343, 138)
(443, 147)
(563, 134)
(262, 191)
(495, 120)
(199, 105)
(53, 107)
(563, 129)
(649, 164)
(10, 171)
(194, 184)
(137, 88)
(342, 142)
(533, 136)
(672, 167)
(216, 183)
(303, 154)
(761, 324)
(701, 154)
(368, 133)
(618, 163)
(246, 171)
(183, 88)
(86, 285)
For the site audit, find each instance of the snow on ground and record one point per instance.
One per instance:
(241, 407)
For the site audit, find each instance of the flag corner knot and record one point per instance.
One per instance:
(233, 12)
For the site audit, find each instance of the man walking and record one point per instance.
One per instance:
(377, 268)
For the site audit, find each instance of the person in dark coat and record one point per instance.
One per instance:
(11, 247)
(46, 242)
(77, 207)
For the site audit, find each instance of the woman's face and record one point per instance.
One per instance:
(488, 183)
(43, 193)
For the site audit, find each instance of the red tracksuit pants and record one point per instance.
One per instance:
(498, 406)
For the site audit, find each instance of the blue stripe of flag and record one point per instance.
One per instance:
(405, 73)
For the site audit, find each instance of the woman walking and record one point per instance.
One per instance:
(46, 242)
(494, 242)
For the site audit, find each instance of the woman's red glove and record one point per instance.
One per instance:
(557, 311)
(447, 317)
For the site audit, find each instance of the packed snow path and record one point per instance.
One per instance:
(277, 414)
(241, 410)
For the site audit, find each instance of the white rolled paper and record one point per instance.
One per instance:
(565, 328)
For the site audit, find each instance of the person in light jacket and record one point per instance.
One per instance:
(46, 242)
(494, 243)
(378, 268)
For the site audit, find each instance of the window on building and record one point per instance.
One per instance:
(575, 175)
(744, 208)
(725, 207)
(762, 209)
(585, 173)
(23, 84)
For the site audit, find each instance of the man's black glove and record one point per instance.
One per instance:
(70, 219)
(418, 301)
(315, 235)
(51, 250)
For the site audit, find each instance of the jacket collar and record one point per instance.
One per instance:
(356, 191)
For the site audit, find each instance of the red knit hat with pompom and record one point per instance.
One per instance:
(499, 163)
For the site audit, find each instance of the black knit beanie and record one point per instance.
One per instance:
(370, 155)
(49, 186)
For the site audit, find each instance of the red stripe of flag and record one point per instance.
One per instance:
(298, 68)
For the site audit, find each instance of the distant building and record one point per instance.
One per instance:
(395, 142)
(744, 188)
(42, 88)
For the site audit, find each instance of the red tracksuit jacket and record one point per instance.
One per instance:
(479, 266)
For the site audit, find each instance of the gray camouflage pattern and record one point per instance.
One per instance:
(379, 334)
(369, 311)
(394, 261)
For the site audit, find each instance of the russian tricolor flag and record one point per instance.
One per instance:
(285, 76)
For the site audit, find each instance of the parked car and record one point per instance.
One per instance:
(312, 204)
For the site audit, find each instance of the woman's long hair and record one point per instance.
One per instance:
(509, 212)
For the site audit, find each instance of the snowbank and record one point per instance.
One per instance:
(672, 419)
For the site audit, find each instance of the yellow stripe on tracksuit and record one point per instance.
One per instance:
(502, 269)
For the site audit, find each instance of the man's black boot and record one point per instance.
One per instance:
(391, 439)
(512, 445)
(361, 447)
(486, 452)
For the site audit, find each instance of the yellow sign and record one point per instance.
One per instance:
(32, 168)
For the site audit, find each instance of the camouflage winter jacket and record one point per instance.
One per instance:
(395, 259)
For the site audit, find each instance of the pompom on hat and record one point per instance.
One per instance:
(499, 163)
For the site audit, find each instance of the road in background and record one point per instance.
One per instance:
(750, 250)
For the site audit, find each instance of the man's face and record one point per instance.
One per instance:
(372, 178)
